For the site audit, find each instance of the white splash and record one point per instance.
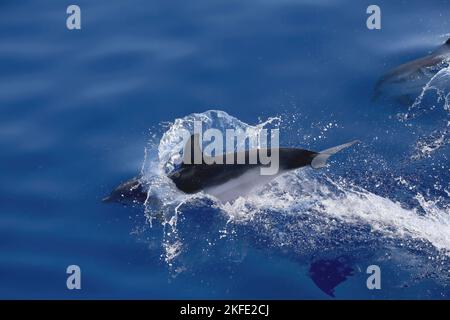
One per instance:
(303, 195)
(439, 84)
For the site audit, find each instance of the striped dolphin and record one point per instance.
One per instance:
(406, 81)
(225, 181)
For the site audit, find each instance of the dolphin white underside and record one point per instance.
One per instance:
(241, 186)
(253, 179)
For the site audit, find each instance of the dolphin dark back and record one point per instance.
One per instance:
(192, 178)
(293, 158)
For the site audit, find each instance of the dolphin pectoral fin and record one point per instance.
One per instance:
(320, 160)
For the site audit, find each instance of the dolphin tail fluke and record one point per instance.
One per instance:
(320, 160)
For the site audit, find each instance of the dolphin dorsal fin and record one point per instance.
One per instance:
(448, 41)
(192, 153)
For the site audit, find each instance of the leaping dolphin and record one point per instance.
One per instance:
(406, 81)
(225, 181)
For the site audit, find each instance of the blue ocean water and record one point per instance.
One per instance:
(79, 108)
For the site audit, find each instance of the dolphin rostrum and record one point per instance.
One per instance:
(406, 80)
(225, 181)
